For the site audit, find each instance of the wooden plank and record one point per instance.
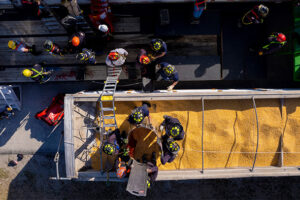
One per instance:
(10, 57)
(61, 74)
(127, 25)
(28, 27)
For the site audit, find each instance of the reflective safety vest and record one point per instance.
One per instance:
(37, 73)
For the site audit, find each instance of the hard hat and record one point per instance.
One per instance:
(8, 108)
(48, 45)
(81, 56)
(156, 44)
(172, 146)
(145, 60)
(27, 72)
(12, 44)
(121, 172)
(138, 117)
(175, 130)
(103, 28)
(169, 70)
(281, 37)
(263, 10)
(109, 148)
(75, 41)
(113, 56)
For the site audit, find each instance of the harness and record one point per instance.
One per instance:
(37, 73)
(273, 42)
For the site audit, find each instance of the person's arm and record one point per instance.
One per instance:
(172, 86)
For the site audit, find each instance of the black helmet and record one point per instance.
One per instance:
(48, 45)
(137, 116)
(156, 44)
(109, 148)
(81, 56)
(175, 130)
(172, 146)
(263, 10)
(169, 70)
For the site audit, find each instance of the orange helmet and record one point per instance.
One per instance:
(121, 172)
(75, 41)
(145, 60)
(113, 55)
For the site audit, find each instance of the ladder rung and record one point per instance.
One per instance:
(108, 89)
(108, 117)
(108, 109)
(109, 125)
(107, 98)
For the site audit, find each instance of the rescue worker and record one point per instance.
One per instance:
(32, 7)
(53, 48)
(152, 169)
(76, 42)
(172, 127)
(159, 49)
(143, 62)
(36, 73)
(199, 6)
(87, 56)
(22, 47)
(113, 143)
(168, 73)
(275, 42)
(138, 114)
(170, 150)
(6, 113)
(256, 15)
(116, 57)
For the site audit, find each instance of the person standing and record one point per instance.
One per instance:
(159, 49)
(275, 42)
(36, 73)
(172, 127)
(138, 114)
(116, 57)
(22, 47)
(170, 150)
(168, 73)
(87, 56)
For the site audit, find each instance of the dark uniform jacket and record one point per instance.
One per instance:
(167, 155)
(37, 70)
(168, 123)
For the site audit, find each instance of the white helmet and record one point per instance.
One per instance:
(103, 28)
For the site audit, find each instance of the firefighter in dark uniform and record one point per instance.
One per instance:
(152, 169)
(36, 73)
(138, 114)
(87, 56)
(173, 128)
(170, 150)
(76, 42)
(159, 49)
(168, 73)
(53, 48)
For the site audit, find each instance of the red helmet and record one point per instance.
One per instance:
(113, 56)
(281, 37)
(145, 60)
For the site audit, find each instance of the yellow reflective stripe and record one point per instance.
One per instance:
(37, 73)
(107, 98)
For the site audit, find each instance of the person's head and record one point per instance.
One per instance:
(263, 10)
(113, 56)
(12, 44)
(169, 70)
(109, 148)
(8, 108)
(75, 41)
(172, 146)
(145, 60)
(81, 56)
(27, 73)
(156, 44)
(103, 28)
(48, 45)
(281, 37)
(137, 116)
(175, 130)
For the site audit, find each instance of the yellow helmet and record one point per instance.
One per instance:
(27, 72)
(12, 44)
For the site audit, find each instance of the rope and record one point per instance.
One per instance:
(243, 18)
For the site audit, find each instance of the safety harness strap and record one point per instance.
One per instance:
(37, 73)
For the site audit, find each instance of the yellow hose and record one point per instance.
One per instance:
(244, 18)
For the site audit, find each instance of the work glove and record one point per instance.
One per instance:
(170, 88)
